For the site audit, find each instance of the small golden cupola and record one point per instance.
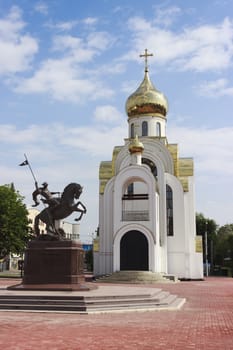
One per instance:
(136, 146)
(146, 100)
(136, 149)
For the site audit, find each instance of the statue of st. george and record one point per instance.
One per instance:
(58, 207)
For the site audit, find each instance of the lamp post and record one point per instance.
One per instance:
(206, 251)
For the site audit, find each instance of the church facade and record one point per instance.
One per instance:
(146, 197)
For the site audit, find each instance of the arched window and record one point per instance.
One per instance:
(151, 165)
(132, 130)
(169, 200)
(135, 202)
(144, 128)
(158, 129)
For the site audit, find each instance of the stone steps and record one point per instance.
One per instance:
(157, 299)
(136, 277)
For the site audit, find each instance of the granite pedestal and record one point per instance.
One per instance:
(53, 265)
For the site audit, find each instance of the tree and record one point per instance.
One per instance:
(89, 259)
(224, 246)
(14, 229)
(206, 226)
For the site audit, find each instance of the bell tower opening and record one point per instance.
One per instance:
(134, 251)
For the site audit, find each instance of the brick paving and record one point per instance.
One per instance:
(205, 322)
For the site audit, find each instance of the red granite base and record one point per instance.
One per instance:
(53, 265)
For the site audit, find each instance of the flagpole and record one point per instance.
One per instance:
(30, 169)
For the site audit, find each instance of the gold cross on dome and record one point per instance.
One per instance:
(146, 55)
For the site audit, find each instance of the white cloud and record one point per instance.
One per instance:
(215, 88)
(94, 140)
(211, 149)
(11, 25)
(9, 134)
(42, 8)
(129, 86)
(90, 21)
(62, 26)
(107, 114)
(62, 80)
(100, 40)
(202, 48)
(74, 48)
(165, 16)
(17, 49)
(93, 44)
(66, 26)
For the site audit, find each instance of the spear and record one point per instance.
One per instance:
(26, 162)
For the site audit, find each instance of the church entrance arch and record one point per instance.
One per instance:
(134, 251)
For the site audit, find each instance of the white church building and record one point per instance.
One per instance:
(146, 197)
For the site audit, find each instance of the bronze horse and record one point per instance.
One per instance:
(66, 206)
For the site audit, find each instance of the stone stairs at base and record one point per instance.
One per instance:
(136, 277)
(157, 300)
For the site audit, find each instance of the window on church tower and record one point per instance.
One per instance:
(158, 129)
(135, 202)
(144, 128)
(132, 130)
(169, 200)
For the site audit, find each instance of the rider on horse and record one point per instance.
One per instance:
(44, 192)
(59, 208)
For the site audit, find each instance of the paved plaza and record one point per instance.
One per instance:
(204, 322)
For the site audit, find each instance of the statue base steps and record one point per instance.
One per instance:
(133, 276)
(106, 298)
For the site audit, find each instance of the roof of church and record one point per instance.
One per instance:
(146, 99)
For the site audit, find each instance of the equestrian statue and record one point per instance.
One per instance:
(57, 208)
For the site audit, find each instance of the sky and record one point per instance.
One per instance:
(68, 67)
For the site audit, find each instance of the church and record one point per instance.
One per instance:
(146, 197)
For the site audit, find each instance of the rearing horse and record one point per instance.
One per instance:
(65, 207)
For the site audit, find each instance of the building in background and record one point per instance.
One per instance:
(32, 213)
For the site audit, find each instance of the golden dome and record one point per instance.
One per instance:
(136, 146)
(146, 100)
